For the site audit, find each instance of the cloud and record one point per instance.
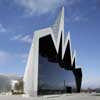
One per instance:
(2, 29)
(38, 7)
(76, 18)
(79, 18)
(7, 58)
(4, 56)
(23, 38)
(23, 57)
(91, 82)
(71, 2)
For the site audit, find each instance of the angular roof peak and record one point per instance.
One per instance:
(59, 21)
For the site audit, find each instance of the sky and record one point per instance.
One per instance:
(20, 18)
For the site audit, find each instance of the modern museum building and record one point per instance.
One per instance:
(51, 66)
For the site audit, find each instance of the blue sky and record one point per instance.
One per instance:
(20, 18)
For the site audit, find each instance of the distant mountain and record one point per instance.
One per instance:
(5, 82)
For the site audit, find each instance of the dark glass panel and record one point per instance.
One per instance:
(53, 78)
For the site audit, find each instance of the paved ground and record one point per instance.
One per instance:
(81, 96)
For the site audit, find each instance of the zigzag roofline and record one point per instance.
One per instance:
(49, 31)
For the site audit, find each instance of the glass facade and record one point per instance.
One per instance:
(52, 78)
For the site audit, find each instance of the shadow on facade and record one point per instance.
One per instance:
(57, 75)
